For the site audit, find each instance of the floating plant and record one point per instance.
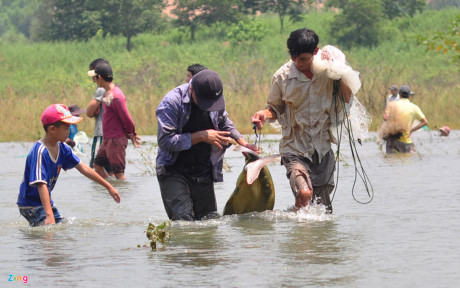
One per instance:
(158, 234)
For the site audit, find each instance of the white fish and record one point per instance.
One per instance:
(239, 148)
(253, 168)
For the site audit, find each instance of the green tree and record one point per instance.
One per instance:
(81, 19)
(17, 15)
(411, 7)
(251, 7)
(358, 23)
(129, 17)
(247, 32)
(65, 20)
(441, 4)
(445, 42)
(391, 8)
(293, 9)
(193, 13)
(398, 8)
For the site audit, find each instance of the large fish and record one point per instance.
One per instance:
(254, 190)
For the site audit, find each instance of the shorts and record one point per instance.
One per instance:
(36, 215)
(112, 152)
(317, 176)
(396, 146)
(187, 198)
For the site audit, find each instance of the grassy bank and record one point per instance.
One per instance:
(35, 75)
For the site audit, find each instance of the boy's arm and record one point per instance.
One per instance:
(91, 174)
(46, 201)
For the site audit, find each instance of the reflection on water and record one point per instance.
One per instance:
(253, 223)
(194, 245)
(406, 237)
(313, 243)
(41, 245)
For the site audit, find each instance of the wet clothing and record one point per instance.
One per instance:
(42, 168)
(36, 216)
(186, 173)
(116, 125)
(319, 177)
(196, 161)
(401, 116)
(97, 138)
(112, 154)
(403, 113)
(116, 120)
(99, 95)
(306, 109)
(185, 197)
(97, 142)
(393, 145)
(172, 114)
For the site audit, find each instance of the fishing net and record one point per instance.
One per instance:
(331, 62)
(356, 120)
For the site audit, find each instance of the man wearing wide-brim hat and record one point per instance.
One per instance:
(193, 132)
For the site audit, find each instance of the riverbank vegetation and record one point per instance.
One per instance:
(36, 74)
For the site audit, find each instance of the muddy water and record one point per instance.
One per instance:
(406, 237)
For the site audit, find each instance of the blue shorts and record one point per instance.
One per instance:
(37, 215)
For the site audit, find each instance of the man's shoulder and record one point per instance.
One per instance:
(283, 70)
(117, 92)
(177, 95)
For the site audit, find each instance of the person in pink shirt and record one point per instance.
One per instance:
(117, 125)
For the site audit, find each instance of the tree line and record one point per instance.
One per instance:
(356, 22)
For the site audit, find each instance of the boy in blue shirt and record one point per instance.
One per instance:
(43, 165)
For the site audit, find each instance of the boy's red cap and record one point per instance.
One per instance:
(58, 112)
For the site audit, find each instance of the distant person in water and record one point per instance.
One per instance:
(400, 117)
(394, 96)
(95, 110)
(75, 111)
(444, 131)
(45, 161)
(117, 125)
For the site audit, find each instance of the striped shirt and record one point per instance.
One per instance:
(42, 168)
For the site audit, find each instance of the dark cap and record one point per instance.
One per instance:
(394, 88)
(102, 69)
(75, 110)
(208, 88)
(404, 90)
